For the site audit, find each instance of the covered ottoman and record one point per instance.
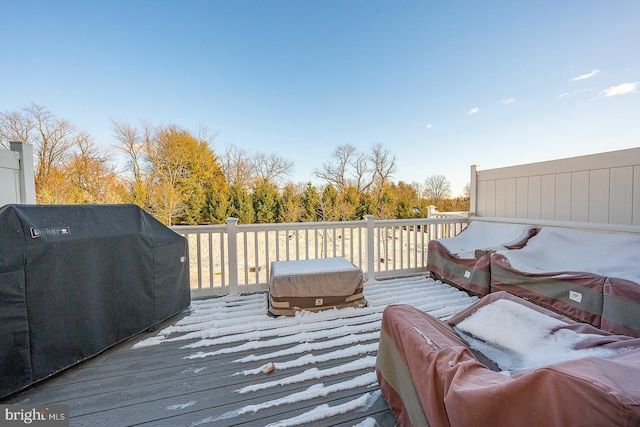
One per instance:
(314, 285)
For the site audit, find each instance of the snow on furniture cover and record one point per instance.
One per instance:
(464, 260)
(429, 375)
(77, 279)
(591, 276)
(314, 285)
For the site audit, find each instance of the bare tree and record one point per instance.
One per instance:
(54, 139)
(90, 174)
(383, 165)
(237, 167)
(205, 135)
(361, 173)
(134, 143)
(269, 169)
(14, 126)
(130, 142)
(336, 174)
(359, 170)
(437, 188)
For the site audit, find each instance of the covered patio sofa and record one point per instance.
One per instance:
(464, 260)
(442, 374)
(590, 276)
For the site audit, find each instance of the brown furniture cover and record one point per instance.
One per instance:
(621, 306)
(429, 376)
(464, 260)
(314, 285)
(591, 276)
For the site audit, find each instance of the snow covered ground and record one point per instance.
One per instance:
(242, 325)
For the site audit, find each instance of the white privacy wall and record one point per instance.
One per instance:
(9, 182)
(600, 188)
(17, 174)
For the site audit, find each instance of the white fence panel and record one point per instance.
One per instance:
(599, 188)
(9, 177)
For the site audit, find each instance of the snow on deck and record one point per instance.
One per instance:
(241, 324)
(227, 363)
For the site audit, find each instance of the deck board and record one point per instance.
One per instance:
(189, 372)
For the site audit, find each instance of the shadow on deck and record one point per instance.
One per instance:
(209, 366)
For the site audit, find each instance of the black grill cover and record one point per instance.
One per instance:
(77, 279)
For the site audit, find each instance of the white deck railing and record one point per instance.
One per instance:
(232, 258)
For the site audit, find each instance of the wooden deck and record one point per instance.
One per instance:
(206, 367)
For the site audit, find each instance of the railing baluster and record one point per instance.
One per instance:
(211, 269)
(369, 248)
(246, 258)
(232, 233)
(223, 269)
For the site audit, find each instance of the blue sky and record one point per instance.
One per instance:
(442, 84)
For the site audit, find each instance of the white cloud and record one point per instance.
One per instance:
(474, 110)
(585, 76)
(507, 101)
(429, 126)
(575, 92)
(622, 89)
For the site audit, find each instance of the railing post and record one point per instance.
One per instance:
(232, 250)
(473, 190)
(27, 172)
(370, 247)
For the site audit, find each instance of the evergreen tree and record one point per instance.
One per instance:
(265, 201)
(217, 205)
(328, 204)
(240, 205)
(182, 169)
(310, 202)
(366, 206)
(290, 206)
(406, 200)
(386, 206)
(348, 204)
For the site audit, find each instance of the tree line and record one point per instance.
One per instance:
(178, 177)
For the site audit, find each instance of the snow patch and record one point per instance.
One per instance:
(367, 422)
(314, 391)
(518, 337)
(309, 359)
(322, 412)
(314, 374)
(180, 406)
